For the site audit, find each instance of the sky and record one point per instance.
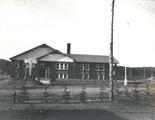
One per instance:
(85, 24)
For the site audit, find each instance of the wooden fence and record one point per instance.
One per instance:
(83, 93)
(61, 94)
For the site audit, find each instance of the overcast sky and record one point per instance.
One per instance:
(25, 24)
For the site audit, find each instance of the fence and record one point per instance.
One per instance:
(84, 93)
(65, 91)
(61, 94)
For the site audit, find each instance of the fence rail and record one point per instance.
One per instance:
(60, 94)
(76, 94)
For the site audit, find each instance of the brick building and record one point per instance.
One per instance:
(51, 64)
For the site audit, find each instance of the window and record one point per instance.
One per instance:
(25, 65)
(57, 66)
(102, 67)
(87, 76)
(97, 67)
(62, 76)
(98, 77)
(102, 76)
(82, 76)
(65, 76)
(66, 66)
(62, 66)
(85, 71)
(82, 66)
(17, 65)
(86, 66)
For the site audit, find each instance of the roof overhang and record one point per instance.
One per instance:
(56, 57)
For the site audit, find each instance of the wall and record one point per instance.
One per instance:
(74, 71)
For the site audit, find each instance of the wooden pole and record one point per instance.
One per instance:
(144, 73)
(111, 56)
(125, 77)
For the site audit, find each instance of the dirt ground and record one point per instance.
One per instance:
(73, 115)
(81, 111)
(135, 103)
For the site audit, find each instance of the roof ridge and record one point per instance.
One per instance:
(32, 49)
(57, 52)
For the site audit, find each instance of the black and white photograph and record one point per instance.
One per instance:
(77, 60)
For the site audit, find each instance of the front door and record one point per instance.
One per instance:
(44, 72)
(47, 73)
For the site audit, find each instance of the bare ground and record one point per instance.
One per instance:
(136, 103)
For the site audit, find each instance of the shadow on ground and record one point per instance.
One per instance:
(59, 115)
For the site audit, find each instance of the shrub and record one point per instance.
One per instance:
(83, 95)
(66, 95)
(23, 95)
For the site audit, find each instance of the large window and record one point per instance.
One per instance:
(62, 66)
(100, 67)
(99, 75)
(62, 76)
(85, 75)
(84, 67)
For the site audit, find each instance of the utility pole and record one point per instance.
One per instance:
(144, 73)
(125, 77)
(111, 97)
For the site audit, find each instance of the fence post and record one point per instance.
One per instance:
(46, 94)
(14, 97)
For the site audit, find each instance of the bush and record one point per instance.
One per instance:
(23, 95)
(83, 95)
(103, 95)
(66, 96)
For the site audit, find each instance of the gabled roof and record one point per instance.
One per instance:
(34, 52)
(56, 56)
(91, 58)
(46, 53)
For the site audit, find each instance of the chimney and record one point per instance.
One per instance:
(68, 48)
